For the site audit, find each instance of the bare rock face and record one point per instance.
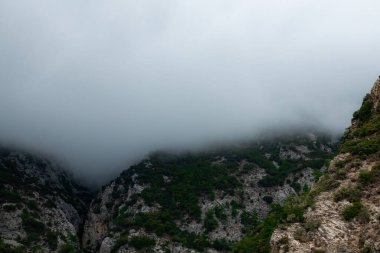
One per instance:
(200, 202)
(346, 213)
(40, 205)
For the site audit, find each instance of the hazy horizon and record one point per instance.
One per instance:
(102, 84)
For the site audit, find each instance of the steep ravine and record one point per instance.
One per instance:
(41, 208)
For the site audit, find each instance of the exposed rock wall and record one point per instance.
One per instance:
(346, 216)
(41, 208)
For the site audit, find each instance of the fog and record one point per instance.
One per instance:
(99, 84)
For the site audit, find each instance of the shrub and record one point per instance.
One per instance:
(141, 242)
(312, 225)
(9, 208)
(219, 213)
(349, 194)
(351, 211)
(32, 204)
(51, 239)
(69, 248)
(120, 242)
(210, 223)
(249, 220)
(9, 196)
(301, 235)
(268, 199)
(367, 177)
(221, 245)
(33, 227)
(363, 215)
(364, 113)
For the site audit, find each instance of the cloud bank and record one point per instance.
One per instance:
(102, 83)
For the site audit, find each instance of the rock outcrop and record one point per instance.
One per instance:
(41, 208)
(346, 215)
(201, 202)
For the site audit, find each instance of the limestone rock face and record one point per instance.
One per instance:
(40, 205)
(200, 202)
(347, 209)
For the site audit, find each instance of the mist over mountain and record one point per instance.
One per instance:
(101, 84)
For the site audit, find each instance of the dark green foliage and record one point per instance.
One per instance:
(189, 180)
(364, 139)
(278, 176)
(69, 248)
(361, 147)
(178, 182)
(367, 177)
(296, 186)
(120, 242)
(34, 228)
(364, 113)
(220, 213)
(222, 245)
(50, 204)
(9, 196)
(52, 240)
(249, 220)
(9, 208)
(210, 223)
(351, 211)
(141, 242)
(268, 199)
(258, 241)
(32, 204)
(161, 223)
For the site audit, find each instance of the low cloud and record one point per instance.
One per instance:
(100, 84)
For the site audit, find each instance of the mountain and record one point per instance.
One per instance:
(41, 208)
(344, 210)
(286, 192)
(206, 201)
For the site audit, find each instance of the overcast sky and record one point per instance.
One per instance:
(99, 83)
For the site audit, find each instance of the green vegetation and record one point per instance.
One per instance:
(350, 194)
(268, 199)
(351, 211)
(249, 220)
(9, 208)
(9, 196)
(258, 238)
(177, 183)
(71, 245)
(190, 178)
(69, 248)
(364, 139)
(210, 223)
(312, 225)
(141, 242)
(34, 228)
(367, 177)
(364, 113)
(52, 240)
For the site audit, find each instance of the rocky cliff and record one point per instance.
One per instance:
(41, 208)
(345, 212)
(201, 202)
